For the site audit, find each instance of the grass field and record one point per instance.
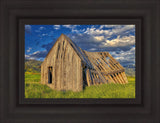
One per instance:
(33, 89)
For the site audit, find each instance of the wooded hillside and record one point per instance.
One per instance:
(32, 66)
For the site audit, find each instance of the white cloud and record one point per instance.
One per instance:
(99, 38)
(123, 29)
(37, 55)
(92, 49)
(119, 42)
(42, 28)
(56, 27)
(125, 56)
(115, 29)
(110, 26)
(29, 49)
(31, 58)
(73, 28)
(103, 42)
(78, 30)
(28, 28)
(44, 34)
(70, 26)
(94, 31)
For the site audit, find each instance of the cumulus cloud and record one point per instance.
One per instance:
(29, 49)
(120, 42)
(37, 55)
(99, 38)
(103, 42)
(56, 27)
(95, 31)
(70, 26)
(74, 28)
(123, 29)
(44, 34)
(42, 28)
(125, 57)
(116, 29)
(37, 31)
(110, 26)
(92, 49)
(28, 28)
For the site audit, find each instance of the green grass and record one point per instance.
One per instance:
(32, 77)
(33, 89)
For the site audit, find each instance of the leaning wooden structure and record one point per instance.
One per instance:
(68, 67)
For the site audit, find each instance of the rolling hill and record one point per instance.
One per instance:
(32, 66)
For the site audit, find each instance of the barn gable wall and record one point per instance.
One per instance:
(67, 67)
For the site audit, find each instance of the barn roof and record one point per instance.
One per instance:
(78, 50)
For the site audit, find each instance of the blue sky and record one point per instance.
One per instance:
(118, 40)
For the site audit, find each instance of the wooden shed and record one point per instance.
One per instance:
(68, 67)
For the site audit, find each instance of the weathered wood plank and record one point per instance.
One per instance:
(108, 63)
(88, 78)
(108, 73)
(122, 81)
(97, 69)
(124, 75)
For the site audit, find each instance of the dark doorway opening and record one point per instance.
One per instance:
(49, 74)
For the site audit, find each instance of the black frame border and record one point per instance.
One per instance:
(14, 110)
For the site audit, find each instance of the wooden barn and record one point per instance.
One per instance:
(68, 67)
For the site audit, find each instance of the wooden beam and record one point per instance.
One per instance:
(88, 77)
(97, 69)
(119, 75)
(108, 73)
(110, 64)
